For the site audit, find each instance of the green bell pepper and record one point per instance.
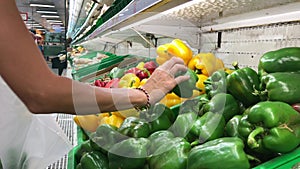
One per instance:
(244, 127)
(159, 116)
(224, 104)
(273, 126)
(225, 153)
(281, 86)
(282, 60)
(78, 166)
(207, 127)
(84, 148)
(135, 127)
(129, 154)
(170, 155)
(232, 126)
(94, 160)
(183, 124)
(232, 130)
(116, 73)
(185, 89)
(105, 137)
(242, 84)
(216, 83)
(159, 138)
(193, 105)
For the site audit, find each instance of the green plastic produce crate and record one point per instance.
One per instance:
(93, 54)
(92, 70)
(128, 62)
(286, 161)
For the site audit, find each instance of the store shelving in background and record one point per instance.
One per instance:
(233, 30)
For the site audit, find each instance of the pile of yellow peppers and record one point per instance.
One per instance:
(91, 122)
(204, 64)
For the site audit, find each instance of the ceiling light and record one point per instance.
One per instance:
(37, 26)
(32, 24)
(42, 5)
(51, 12)
(54, 21)
(50, 16)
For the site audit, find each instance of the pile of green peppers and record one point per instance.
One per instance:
(244, 119)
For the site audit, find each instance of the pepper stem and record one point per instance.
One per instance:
(252, 142)
(235, 65)
(252, 158)
(147, 71)
(131, 83)
(262, 94)
(198, 71)
(194, 143)
(207, 82)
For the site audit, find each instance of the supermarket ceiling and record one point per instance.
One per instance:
(49, 17)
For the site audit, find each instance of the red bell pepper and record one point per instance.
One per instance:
(150, 66)
(133, 70)
(99, 83)
(113, 83)
(143, 74)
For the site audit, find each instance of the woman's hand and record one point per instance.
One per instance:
(163, 79)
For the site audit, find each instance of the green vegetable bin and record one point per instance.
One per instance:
(287, 161)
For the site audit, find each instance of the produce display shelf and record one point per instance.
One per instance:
(89, 55)
(92, 70)
(286, 161)
(115, 8)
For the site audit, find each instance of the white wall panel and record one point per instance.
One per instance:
(247, 45)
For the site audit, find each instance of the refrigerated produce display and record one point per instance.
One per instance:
(239, 109)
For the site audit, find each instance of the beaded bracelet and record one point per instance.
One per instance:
(147, 106)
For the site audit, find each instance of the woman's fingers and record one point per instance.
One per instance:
(180, 79)
(171, 62)
(177, 69)
(173, 66)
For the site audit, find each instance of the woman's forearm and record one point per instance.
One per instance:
(78, 98)
(24, 69)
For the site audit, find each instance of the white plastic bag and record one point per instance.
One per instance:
(27, 141)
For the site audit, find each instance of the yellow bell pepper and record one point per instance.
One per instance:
(129, 80)
(143, 82)
(180, 49)
(200, 83)
(205, 63)
(196, 93)
(162, 54)
(87, 122)
(113, 120)
(171, 99)
(129, 113)
(176, 48)
(141, 65)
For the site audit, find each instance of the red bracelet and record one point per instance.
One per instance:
(147, 106)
